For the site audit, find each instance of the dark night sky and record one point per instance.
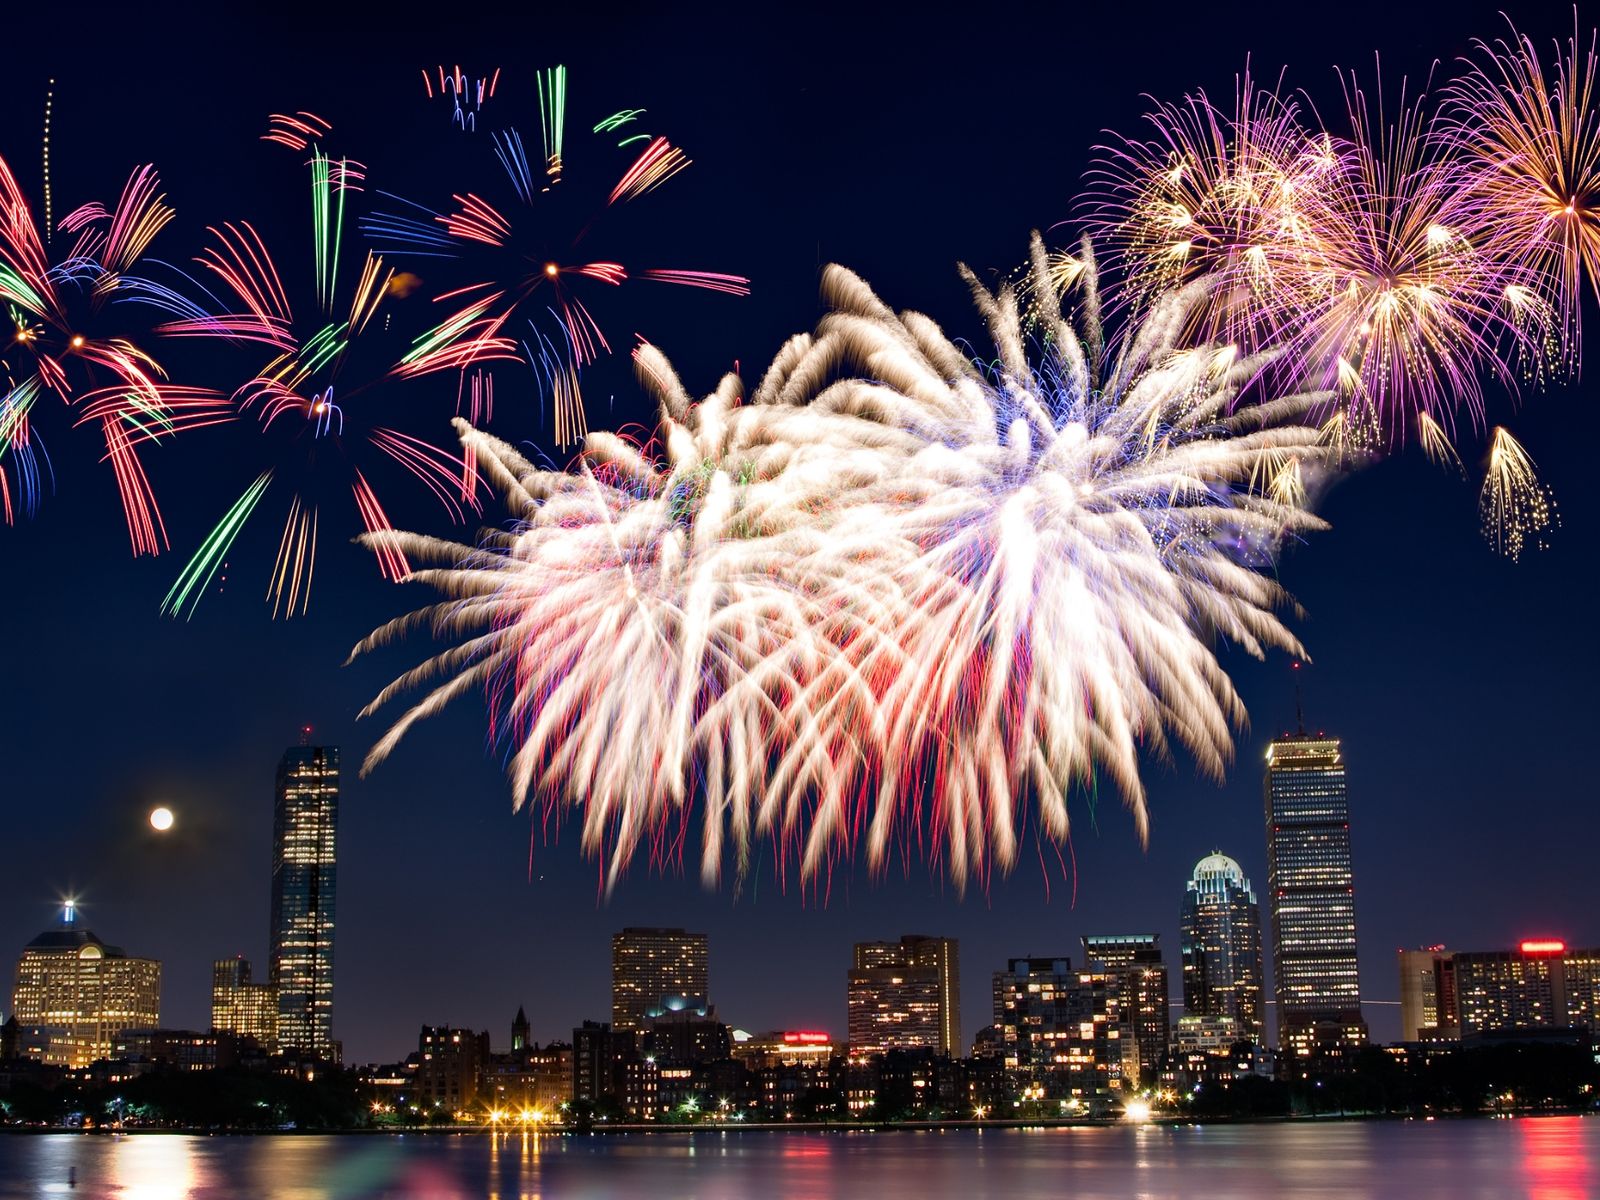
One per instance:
(896, 143)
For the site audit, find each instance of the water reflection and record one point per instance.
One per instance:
(1541, 1159)
(1557, 1159)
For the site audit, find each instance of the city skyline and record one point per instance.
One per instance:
(1399, 595)
(1389, 1006)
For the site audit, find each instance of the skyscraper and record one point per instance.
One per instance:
(241, 1006)
(305, 823)
(75, 994)
(905, 995)
(1134, 961)
(1318, 986)
(649, 965)
(1220, 944)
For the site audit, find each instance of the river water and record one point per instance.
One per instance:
(1553, 1158)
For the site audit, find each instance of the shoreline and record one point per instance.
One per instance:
(666, 1129)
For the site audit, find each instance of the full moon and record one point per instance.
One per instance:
(161, 819)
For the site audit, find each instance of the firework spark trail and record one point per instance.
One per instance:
(465, 95)
(1516, 509)
(892, 591)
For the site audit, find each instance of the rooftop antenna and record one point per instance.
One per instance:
(305, 733)
(1299, 710)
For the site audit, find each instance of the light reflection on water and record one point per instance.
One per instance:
(1556, 1158)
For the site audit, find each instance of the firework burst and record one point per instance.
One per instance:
(1223, 195)
(894, 592)
(523, 247)
(317, 400)
(79, 330)
(1531, 143)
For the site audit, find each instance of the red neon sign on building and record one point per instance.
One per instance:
(1543, 946)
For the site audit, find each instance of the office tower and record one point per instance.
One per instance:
(650, 965)
(1541, 985)
(305, 823)
(241, 1006)
(1060, 1030)
(1318, 987)
(1134, 960)
(905, 995)
(75, 993)
(1428, 995)
(1220, 946)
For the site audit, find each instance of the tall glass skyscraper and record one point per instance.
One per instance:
(305, 823)
(1318, 987)
(1220, 933)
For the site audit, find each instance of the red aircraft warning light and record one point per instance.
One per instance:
(1543, 946)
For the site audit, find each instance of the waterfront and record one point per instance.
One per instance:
(1554, 1158)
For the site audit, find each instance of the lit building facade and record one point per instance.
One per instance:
(905, 995)
(75, 993)
(241, 1006)
(1541, 985)
(783, 1048)
(1060, 1031)
(650, 965)
(1135, 961)
(1309, 875)
(1220, 946)
(305, 828)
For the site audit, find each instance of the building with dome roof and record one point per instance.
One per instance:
(1220, 945)
(75, 994)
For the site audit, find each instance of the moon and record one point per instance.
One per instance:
(161, 819)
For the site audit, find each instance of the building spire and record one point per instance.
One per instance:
(1299, 710)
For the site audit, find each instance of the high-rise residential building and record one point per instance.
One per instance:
(1428, 1010)
(1220, 945)
(1060, 1030)
(75, 993)
(650, 965)
(1309, 875)
(1541, 985)
(242, 1006)
(305, 826)
(905, 995)
(1134, 960)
